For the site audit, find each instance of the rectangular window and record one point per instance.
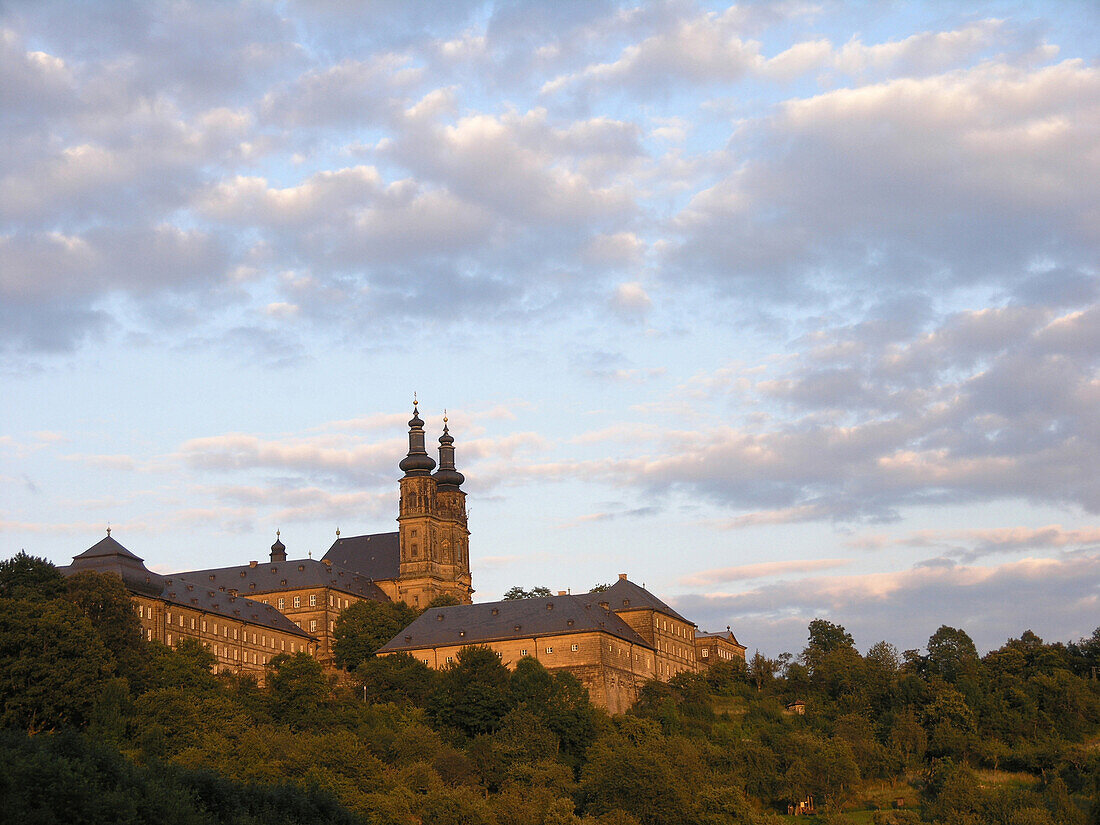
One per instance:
(169, 639)
(297, 601)
(450, 659)
(204, 625)
(282, 603)
(549, 650)
(181, 620)
(215, 628)
(168, 618)
(225, 631)
(192, 623)
(573, 648)
(312, 625)
(330, 600)
(523, 652)
(312, 599)
(704, 652)
(234, 634)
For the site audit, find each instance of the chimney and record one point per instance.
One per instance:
(562, 593)
(253, 563)
(622, 577)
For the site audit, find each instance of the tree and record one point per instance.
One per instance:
(106, 602)
(52, 665)
(298, 688)
(518, 592)
(364, 627)
(444, 600)
(472, 695)
(29, 577)
(396, 678)
(951, 654)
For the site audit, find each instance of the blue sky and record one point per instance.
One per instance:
(785, 309)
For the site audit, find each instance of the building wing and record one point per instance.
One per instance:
(256, 578)
(472, 624)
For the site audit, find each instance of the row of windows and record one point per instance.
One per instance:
(677, 630)
(296, 601)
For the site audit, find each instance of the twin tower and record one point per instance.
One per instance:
(433, 536)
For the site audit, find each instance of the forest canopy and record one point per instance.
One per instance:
(101, 727)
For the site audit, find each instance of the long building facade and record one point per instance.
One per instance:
(613, 639)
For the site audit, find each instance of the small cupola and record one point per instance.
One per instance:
(278, 549)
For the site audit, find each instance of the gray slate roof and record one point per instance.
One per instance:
(625, 595)
(377, 556)
(194, 595)
(471, 624)
(293, 574)
(108, 556)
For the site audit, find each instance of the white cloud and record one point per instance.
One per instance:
(631, 299)
(761, 570)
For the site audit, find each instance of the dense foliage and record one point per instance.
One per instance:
(98, 727)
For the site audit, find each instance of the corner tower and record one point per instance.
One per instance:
(434, 546)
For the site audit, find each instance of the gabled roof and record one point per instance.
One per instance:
(471, 624)
(625, 595)
(272, 577)
(726, 637)
(377, 556)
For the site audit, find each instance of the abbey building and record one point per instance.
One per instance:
(613, 640)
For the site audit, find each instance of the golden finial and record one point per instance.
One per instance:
(108, 529)
(310, 553)
(337, 532)
(444, 416)
(278, 533)
(415, 402)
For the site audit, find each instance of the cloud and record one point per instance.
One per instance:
(1057, 598)
(762, 570)
(350, 93)
(938, 182)
(631, 300)
(974, 543)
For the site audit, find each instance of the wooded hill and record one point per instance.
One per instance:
(100, 727)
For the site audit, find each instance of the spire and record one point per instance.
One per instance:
(447, 477)
(278, 549)
(417, 462)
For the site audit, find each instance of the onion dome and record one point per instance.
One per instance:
(447, 477)
(417, 462)
(278, 549)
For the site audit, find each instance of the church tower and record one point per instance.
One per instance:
(433, 538)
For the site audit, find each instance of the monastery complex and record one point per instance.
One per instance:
(613, 639)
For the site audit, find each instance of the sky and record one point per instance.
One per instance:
(788, 310)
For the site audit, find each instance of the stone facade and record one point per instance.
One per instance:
(612, 640)
(243, 634)
(718, 647)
